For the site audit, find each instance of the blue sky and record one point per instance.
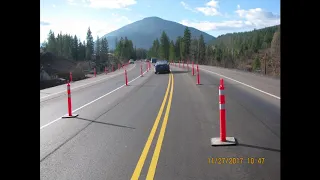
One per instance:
(215, 17)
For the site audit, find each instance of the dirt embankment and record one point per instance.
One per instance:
(55, 70)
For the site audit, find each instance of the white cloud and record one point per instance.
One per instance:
(209, 26)
(187, 7)
(238, 6)
(258, 17)
(54, 6)
(108, 4)
(212, 3)
(210, 9)
(249, 19)
(79, 27)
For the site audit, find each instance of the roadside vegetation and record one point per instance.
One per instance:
(255, 51)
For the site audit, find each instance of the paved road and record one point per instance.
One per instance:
(132, 133)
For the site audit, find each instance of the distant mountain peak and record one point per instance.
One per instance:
(152, 17)
(143, 32)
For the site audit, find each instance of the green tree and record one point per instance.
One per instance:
(172, 53)
(164, 46)
(89, 45)
(202, 50)
(75, 48)
(52, 43)
(104, 50)
(194, 50)
(177, 47)
(98, 46)
(186, 44)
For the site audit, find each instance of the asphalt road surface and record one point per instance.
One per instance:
(160, 126)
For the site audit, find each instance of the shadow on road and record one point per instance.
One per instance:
(179, 72)
(109, 124)
(259, 147)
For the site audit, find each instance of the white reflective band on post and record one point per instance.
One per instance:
(221, 92)
(222, 106)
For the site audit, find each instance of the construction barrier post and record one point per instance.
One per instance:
(95, 73)
(70, 77)
(198, 75)
(126, 77)
(141, 74)
(147, 67)
(112, 68)
(183, 64)
(222, 140)
(179, 64)
(69, 104)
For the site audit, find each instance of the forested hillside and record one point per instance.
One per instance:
(255, 51)
(71, 48)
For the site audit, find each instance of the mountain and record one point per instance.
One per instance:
(145, 31)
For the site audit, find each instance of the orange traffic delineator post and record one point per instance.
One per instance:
(198, 75)
(126, 77)
(70, 78)
(147, 67)
(70, 115)
(141, 74)
(222, 140)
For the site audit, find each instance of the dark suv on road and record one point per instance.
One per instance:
(162, 66)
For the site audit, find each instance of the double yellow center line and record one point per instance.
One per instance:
(156, 154)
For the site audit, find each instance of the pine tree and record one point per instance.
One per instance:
(164, 46)
(172, 53)
(186, 43)
(89, 45)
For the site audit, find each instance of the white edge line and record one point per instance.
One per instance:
(243, 84)
(86, 84)
(91, 102)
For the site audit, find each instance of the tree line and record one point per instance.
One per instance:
(257, 50)
(124, 50)
(165, 48)
(72, 48)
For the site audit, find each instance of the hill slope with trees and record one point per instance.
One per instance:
(144, 31)
(255, 51)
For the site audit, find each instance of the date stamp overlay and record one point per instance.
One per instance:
(236, 160)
